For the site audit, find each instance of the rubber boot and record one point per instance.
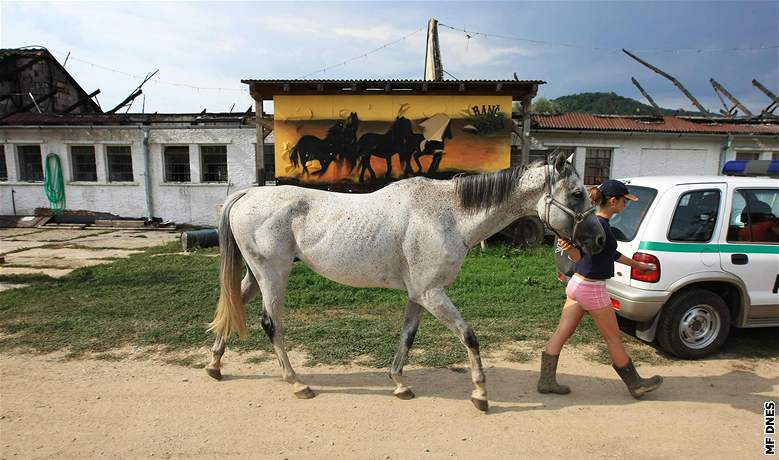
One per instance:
(637, 386)
(547, 382)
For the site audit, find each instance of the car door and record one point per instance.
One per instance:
(751, 248)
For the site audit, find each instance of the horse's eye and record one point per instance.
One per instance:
(577, 194)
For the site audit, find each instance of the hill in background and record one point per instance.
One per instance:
(600, 103)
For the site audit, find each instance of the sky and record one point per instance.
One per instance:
(203, 49)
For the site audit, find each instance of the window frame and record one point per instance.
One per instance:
(165, 163)
(203, 163)
(108, 154)
(4, 164)
(74, 163)
(20, 163)
(713, 235)
(585, 174)
(755, 153)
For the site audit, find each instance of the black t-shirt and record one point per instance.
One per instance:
(600, 266)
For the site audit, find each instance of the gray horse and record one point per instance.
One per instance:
(412, 234)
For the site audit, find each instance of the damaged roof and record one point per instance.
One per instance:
(129, 119)
(664, 124)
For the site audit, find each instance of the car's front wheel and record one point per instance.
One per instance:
(694, 324)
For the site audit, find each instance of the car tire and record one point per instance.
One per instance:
(694, 324)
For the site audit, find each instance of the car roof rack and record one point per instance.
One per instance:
(769, 168)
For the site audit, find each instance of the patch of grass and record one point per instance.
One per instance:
(167, 302)
(26, 279)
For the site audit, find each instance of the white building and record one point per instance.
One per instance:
(173, 167)
(608, 146)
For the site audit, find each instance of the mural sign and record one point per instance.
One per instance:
(376, 139)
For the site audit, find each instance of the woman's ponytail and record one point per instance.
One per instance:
(596, 196)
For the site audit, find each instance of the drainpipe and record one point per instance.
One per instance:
(146, 178)
(723, 154)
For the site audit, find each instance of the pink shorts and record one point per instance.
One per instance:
(591, 295)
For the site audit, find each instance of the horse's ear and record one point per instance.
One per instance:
(559, 163)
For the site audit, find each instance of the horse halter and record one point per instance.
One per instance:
(578, 217)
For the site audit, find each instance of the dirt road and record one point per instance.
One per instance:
(141, 408)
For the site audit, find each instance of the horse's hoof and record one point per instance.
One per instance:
(481, 404)
(405, 394)
(305, 393)
(214, 373)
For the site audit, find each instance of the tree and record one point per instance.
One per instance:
(546, 106)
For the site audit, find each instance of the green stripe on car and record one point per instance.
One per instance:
(709, 247)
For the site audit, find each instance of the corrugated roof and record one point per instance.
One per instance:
(667, 124)
(369, 81)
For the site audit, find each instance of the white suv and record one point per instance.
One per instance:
(715, 240)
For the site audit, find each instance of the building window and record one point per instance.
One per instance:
(775, 156)
(748, 156)
(3, 166)
(597, 164)
(83, 158)
(213, 163)
(30, 163)
(120, 163)
(177, 163)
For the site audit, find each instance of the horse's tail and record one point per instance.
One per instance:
(230, 314)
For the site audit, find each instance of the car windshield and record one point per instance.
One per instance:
(626, 223)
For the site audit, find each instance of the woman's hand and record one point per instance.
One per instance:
(569, 249)
(645, 267)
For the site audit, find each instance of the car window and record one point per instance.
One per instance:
(753, 218)
(625, 224)
(695, 216)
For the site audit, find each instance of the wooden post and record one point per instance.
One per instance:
(525, 136)
(259, 156)
(646, 95)
(727, 94)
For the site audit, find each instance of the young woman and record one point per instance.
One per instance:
(586, 293)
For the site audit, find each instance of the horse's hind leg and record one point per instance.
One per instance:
(249, 290)
(273, 277)
(407, 334)
(438, 304)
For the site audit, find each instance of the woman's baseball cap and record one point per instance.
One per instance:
(613, 187)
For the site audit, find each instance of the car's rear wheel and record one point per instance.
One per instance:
(694, 324)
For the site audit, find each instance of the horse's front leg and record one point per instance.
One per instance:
(438, 304)
(389, 167)
(407, 334)
(249, 290)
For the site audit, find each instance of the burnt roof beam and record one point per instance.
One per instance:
(81, 101)
(672, 79)
(736, 102)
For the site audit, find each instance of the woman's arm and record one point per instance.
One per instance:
(641, 266)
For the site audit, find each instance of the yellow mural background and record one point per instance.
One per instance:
(297, 116)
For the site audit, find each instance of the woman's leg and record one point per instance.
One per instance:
(569, 319)
(606, 320)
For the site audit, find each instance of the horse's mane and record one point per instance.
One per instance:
(483, 191)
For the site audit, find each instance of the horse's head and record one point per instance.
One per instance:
(565, 206)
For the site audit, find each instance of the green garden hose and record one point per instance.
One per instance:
(53, 183)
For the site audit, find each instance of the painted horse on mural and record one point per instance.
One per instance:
(417, 245)
(336, 145)
(435, 131)
(394, 142)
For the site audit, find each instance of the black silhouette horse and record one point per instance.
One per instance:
(434, 148)
(337, 145)
(396, 141)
